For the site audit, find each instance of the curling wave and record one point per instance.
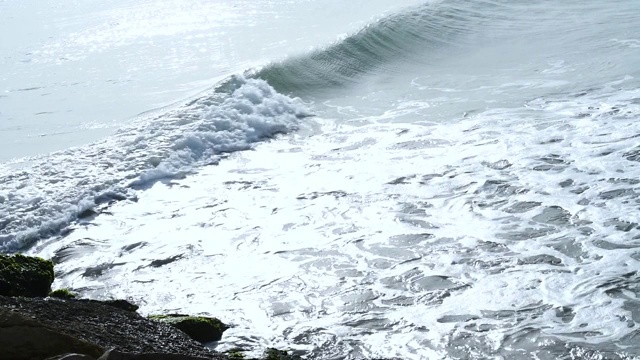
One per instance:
(418, 34)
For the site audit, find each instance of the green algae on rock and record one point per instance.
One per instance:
(199, 328)
(235, 354)
(275, 354)
(25, 276)
(63, 294)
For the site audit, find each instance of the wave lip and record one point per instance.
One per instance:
(48, 195)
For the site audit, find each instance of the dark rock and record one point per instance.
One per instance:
(25, 276)
(72, 357)
(105, 326)
(25, 338)
(199, 328)
(117, 355)
(122, 304)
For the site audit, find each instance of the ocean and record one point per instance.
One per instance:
(444, 179)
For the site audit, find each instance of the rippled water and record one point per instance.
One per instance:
(456, 180)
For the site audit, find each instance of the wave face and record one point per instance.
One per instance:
(39, 200)
(375, 48)
(418, 35)
(439, 32)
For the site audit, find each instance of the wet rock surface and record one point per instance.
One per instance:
(107, 327)
(23, 338)
(71, 357)
(199, 328)
(118, 355)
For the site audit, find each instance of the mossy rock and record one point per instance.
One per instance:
(25, 276)
(275, 354)
(199, 328)
(63, 294)
(235, 354)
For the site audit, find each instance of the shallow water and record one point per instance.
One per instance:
(455, 180)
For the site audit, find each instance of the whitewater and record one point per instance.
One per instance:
(443, 179)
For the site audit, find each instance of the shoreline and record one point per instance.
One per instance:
(36, 323)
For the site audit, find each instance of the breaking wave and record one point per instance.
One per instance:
(42, 198)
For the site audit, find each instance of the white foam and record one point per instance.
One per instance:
(300, 244)
(48, 194)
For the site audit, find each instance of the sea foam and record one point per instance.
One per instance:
(49, 192)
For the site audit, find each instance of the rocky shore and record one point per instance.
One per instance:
(97, 326)
(37, 324)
